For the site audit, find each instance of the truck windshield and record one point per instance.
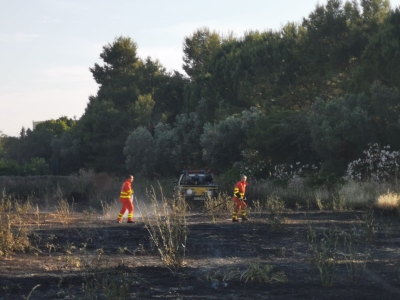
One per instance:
(193, 179)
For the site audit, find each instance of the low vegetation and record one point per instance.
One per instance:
(165, 221)
(332, 250)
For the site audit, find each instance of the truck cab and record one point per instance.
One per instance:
(196, 185)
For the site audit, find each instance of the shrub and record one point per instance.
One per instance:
(378, 165)
(12, 241)
(275, 207)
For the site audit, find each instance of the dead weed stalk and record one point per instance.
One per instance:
(108, 209)
(166, 224)
(64, 211)
(355, 262)
(10, 240)
(22, 207)
(218, 207)
(369, 224)
(275, 206)
(324, 254)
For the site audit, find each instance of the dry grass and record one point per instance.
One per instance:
(348, 196)
(64, 212)
(296, 191)
(6, 203)
(388, 200)
(13, 234)
(275, 207)
(360, 194)
(322, 197)
(12, 240)
(110, 210)
(324, 254)
(22, 207)
(262, 274)
(257, 209)
(219, 207)
(165, 221)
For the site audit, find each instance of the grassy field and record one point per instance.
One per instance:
(299, 243)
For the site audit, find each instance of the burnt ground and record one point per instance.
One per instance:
(92, 258)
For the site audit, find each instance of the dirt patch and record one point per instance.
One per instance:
(92, 258)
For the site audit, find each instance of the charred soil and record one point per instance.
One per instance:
(94, 258)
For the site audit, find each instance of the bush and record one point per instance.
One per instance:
(378, 164)
(12, 240)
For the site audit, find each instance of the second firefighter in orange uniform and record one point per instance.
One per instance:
(238, 197)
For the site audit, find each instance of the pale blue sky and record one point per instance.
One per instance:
(47, 46)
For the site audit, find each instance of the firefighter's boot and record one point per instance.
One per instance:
(234, 217)
(119, 220)
(130, 218)
(244, 217)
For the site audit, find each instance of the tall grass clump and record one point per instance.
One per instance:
(64, 212)
(257, 208)
(370, 226)
(388, 200)
(12, 240)
(110, 209)
(293, 190)
(275, 207)
(355, 261)
(262, 274)
(323, 249)
(6, 203)
(10, 204)
(358, 195)
(322, 198)
(218, 207)
(165, 220)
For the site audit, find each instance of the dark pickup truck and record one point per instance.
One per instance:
(196, 185)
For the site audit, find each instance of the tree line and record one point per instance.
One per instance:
(314, 93)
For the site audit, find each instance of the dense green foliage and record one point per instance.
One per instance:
(314, 93)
